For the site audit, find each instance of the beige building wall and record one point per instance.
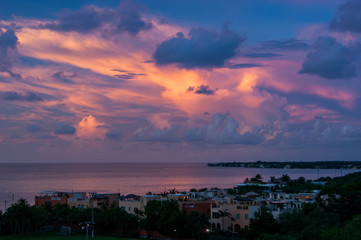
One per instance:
(78, 203)
(131, 205)
(240, 215)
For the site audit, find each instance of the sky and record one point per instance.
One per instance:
(180, 81)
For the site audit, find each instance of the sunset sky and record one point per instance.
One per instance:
(180, 81)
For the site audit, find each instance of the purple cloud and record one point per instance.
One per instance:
(202, 89)
(8, 43)
(330, 59)
(203, 48)
(347, 18)
(63, 129)
(114, 135)
(288, 44)
(126, 18)
(222, 129)
(33, 128)
(17, 96)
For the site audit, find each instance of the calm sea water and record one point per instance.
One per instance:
(26, 180)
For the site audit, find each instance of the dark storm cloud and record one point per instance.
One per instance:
(114, 135)
(203, 89)
(126, 18)
(33, 128)
(289, 44)
(348, 17)
(8, 43)
(330, 59)
(17, 96)
(63, 128)
(203, 48)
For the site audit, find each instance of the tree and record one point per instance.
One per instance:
(224, 214)
(18, 216)
(257, 178)
(262, 223)
(196, 223)
(116, 218)
(285, 178)
(164, 216)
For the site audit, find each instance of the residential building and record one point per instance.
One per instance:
(51, 198)
(234, 215)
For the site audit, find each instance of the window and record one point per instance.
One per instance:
(238, 216)
(135, 208)
(130, 209)
(246, 216)
(123, 208)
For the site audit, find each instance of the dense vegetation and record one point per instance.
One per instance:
(162, 217)
(303, 165)
(336, 218)
(166, 218)
(21, 219)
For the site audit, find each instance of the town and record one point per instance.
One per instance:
(239, 208)
(195, 214)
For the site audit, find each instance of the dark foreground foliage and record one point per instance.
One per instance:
(336, 218)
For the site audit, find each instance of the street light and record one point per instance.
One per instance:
(92, 219)
(86, 226)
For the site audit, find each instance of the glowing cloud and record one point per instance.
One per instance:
(90, 128)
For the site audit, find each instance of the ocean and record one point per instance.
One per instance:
(23, 180)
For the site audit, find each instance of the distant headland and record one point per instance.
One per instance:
(292, 165)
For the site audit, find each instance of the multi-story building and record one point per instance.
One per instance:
(104, 200)
(195, 206)
(51, 198)
(233, 215)
(134, 203)
(131, 203)
(78, 200)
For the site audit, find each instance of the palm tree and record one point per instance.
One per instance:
(285, 178)
(224, 214)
